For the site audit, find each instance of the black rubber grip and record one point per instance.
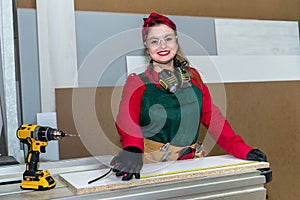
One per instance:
(267, 172)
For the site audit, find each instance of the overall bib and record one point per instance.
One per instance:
(169, 118)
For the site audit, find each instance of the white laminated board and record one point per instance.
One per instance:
(257, 37)
(52, 149)
(232, 69)
(161, 172)
(57, 49)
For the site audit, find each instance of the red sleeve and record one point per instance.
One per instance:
(127, 121)
(218, 126)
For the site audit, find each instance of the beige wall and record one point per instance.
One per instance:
(255, 9)
(265, 114)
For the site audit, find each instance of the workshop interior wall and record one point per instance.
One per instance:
(267, 9)
(89, 39)
(265, 114)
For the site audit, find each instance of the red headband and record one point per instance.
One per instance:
(154, 19)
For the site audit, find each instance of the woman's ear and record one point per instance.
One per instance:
(147, 51)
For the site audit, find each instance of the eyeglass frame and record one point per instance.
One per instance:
(160, 41)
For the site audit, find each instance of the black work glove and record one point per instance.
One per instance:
(186, 153)
(128, 163)
(256, 155)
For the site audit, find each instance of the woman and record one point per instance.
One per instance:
(162, 108)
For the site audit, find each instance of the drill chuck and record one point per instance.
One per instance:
(43, 133)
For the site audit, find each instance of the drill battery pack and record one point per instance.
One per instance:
(42, 180)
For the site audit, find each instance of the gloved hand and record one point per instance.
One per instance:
(186, 153)
(128, 163)
(256, 155)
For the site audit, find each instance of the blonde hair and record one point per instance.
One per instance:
(180, 56)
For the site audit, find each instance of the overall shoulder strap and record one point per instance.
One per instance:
(144, 78)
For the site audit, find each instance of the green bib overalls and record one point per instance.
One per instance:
(167, 117)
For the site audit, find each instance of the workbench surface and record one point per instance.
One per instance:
(240, 185)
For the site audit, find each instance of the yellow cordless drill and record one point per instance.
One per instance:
(37, 137)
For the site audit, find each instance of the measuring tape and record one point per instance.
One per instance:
(196, 169)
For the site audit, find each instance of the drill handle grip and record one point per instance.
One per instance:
(32, 162)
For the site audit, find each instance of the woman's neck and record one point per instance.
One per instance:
(158, 67)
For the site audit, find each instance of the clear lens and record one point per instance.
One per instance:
(156, 42)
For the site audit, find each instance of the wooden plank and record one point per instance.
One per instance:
(161, 172)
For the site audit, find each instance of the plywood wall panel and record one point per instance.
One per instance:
(73, 147)
(265, 114)
(256, 9)
(224, 8)
(267, 9)
(88, 112)
(26, 4)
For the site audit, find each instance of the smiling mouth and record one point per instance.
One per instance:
(163, 53)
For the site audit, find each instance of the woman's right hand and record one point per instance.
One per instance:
(128, 163)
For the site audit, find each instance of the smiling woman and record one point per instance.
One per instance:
(161, 53)
(162, 46)
(162, 108)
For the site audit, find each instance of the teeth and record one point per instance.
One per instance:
(163, 53)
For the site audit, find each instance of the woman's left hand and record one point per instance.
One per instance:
(256, 155)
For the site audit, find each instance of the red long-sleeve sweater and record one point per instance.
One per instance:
(127, 121)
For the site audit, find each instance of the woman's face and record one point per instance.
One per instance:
(161, 44)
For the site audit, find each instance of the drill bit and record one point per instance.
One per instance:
(71, 135)
(58, 134)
